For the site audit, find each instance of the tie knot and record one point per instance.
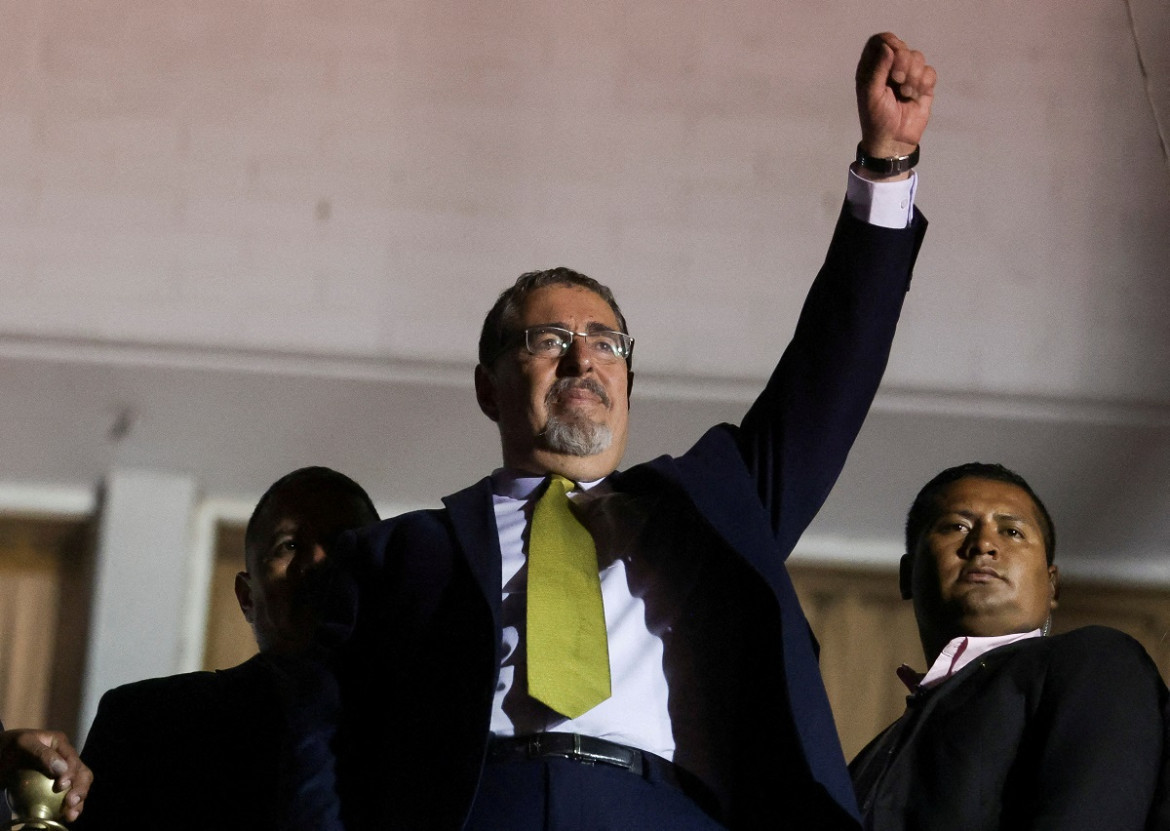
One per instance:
(561, 483)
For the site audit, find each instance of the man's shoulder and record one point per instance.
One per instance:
(193, 711)
(142, 711)
(476, 495)
(402, 528)
(1074, 645)
(1110, 650)
(1084, 640)
(163, 688)
(715, 455)
(465, 516)
(170, 694)
(1091, 660)
(1094, 638)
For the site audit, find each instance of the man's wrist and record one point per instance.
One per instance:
(887, 167)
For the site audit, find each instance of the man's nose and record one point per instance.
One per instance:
(981, 540)
(311, 555)
(577, 357)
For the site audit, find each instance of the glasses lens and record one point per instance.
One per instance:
(547, 341)
(609, 345)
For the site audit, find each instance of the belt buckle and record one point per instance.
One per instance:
(576, 754)
(579, 753)
(590, 757)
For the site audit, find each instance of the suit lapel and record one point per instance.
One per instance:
(473, 522)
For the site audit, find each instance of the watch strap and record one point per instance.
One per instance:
(888, 165)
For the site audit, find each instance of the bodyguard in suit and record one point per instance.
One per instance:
(707, 707)
(205, 750)
(1009, 728)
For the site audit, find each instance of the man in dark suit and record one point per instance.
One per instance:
(713, 711)
(1009, 728)
(51, 753)
(221, 735)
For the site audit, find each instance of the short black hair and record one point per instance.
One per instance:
(499, 327)
(923, 511)
(315, 476)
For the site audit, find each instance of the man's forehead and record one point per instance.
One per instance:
(562, 304)
(285, 524)
(972, 495)
(299, 506)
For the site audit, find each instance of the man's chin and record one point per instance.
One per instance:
(576, 437)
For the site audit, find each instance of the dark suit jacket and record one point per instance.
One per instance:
(198, 751)
(1061, 733)
(1160, 815)
(5, 814)
(426, 586)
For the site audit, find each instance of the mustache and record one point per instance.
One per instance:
(565, 384)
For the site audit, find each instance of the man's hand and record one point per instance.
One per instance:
(51, 753)
(895, 88)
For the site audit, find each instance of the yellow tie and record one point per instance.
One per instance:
(568, 655)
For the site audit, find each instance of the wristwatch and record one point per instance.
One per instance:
(889, 165)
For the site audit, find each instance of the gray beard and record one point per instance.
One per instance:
(575, 438)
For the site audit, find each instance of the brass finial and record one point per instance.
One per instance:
(35, 805)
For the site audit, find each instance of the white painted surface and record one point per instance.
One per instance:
(142, 580)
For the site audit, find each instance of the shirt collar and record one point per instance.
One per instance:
(520, 484)
(958, 653)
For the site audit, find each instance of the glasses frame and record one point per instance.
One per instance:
(623, 338)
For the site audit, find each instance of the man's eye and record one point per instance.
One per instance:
(547, 340)
(284, 547)
(605, 345)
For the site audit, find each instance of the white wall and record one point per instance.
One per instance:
(145, 577)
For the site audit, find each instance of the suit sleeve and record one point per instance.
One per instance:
(796, 436)
(1095, 738)
(108, 753)
(5, 815)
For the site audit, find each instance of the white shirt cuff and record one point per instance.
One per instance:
(887, 204)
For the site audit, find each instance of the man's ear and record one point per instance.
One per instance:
(906, 576)
(1054, 583)
(629, 387)
(485, 392)
(244, 595)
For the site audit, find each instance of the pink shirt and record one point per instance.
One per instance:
(955, 655)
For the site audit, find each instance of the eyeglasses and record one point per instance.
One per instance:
(553, 342)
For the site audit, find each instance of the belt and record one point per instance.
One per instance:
(589, 750)
(586, 749)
